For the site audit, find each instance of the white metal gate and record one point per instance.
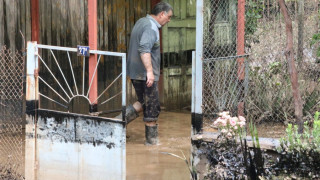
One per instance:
(63, 145)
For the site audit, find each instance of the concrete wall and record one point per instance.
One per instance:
(72, 146)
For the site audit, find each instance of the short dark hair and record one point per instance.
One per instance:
(161, 6)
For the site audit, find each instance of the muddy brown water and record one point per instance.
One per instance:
(148, 162)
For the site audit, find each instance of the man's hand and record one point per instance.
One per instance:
(150, 79)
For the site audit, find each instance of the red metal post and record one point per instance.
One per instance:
(34, 20)
(93, 38)
(240, 50)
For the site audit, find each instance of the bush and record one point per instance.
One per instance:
(300, 153)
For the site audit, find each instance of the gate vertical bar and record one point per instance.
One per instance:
(197, 117)
(32, 98)
(193, 80)
(124, 82)
(240, 51)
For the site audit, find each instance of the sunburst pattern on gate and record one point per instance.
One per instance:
(60, 89)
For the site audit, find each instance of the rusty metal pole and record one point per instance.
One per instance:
(240, 51)
(93, 38)
(34, 20)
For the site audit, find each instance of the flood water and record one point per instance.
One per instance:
(148, 162)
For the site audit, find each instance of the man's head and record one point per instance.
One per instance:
(162, 12)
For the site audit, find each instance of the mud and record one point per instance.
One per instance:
(148, 162)
(67, 127)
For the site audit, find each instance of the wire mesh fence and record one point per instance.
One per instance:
(266, 85)
(11, 114)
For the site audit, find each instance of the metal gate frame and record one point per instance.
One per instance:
(38, 131)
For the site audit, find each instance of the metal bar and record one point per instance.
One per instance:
(107, 88)
(124, 80)
(61, 72)
(53, 100)
(32, 67)
(32, 94)
(93, 43)
(57, 48)
(193, 80)
(83, 73)
(225, 58)
(35, 20)
(111, 98)
(199, 57)
(197, 121)
(240, 49)
(107, 53)
(74, 79)
(53, 89)
(108, 112)
(80, 96)
(53, 76)
(94, 73)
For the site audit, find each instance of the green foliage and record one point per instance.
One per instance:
(270, 94)
(316, 40)
(253, 14)
(309, 140)
(316, 131)
(254, 135)
(300, 153)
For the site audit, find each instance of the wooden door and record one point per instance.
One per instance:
(178, 42)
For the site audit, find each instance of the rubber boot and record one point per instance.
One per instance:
(131, 114)
(151, 135)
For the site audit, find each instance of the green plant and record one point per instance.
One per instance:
(191, 168)
(269, 97)
(253, 14)
(293, 141)
(316, 40)
(316, 132)
(300, 153)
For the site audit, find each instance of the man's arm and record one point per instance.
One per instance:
(146, 60)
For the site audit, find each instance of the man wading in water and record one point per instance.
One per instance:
(143, 68)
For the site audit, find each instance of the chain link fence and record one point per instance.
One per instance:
(11, 114)
(224, 78)
(265, 87)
